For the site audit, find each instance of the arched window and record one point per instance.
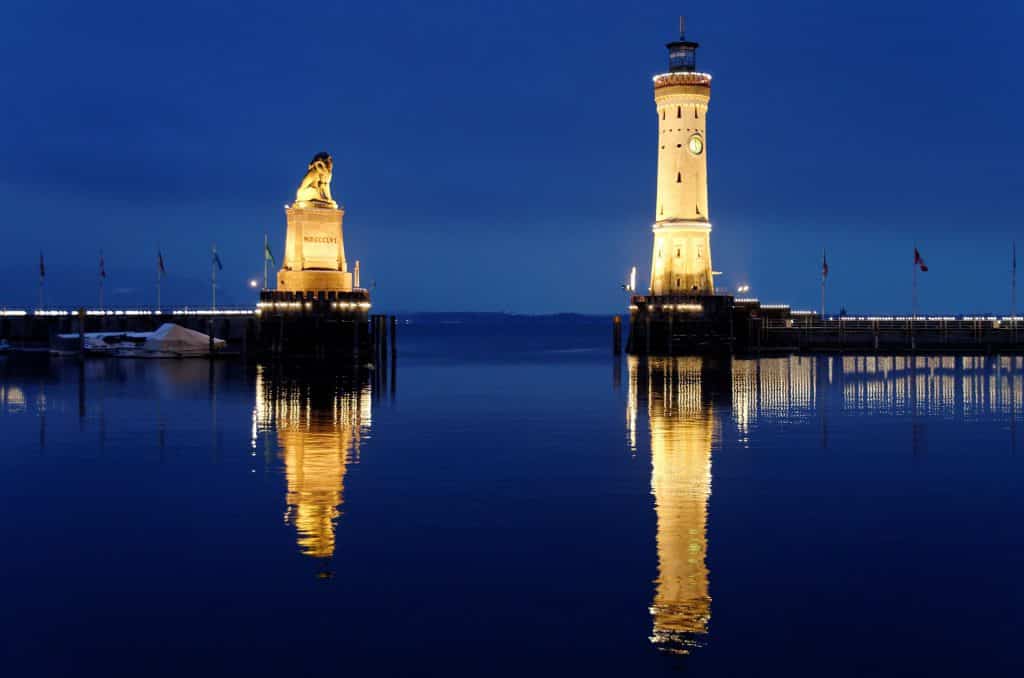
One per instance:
(663, 114)
(679, 111)
(679, 178)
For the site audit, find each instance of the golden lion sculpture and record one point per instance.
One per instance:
(315, 189)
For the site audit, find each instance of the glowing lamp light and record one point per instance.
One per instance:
(254, 283)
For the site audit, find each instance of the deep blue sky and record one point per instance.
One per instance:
(502, 155)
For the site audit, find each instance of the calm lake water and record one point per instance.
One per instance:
(513, 500)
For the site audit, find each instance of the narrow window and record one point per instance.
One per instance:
(663, 114)
(679, 111)
(695, 113)
(677, 253)
(679, 180)
(678, 283)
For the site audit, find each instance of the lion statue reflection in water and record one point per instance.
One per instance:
(315, 189)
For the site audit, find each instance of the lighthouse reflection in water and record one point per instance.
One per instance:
(319, 423)
(678, 397)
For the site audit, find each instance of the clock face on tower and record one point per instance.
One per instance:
(696, 144)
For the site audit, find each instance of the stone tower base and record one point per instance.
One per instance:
(314, 281)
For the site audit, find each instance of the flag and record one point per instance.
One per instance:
(160, 263)
(267, 254)
(103, 268)
(919, 261)
(216, 260)
(824, 265)
(42, 266)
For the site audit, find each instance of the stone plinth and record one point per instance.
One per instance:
(314, 251)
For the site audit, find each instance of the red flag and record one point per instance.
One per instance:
(103, 269)
(919, 261)
(160, 263)
(42, 266)
(824, 265)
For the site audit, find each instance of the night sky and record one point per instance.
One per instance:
(501, 156)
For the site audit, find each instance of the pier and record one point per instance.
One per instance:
(279, 327)
(720, 324)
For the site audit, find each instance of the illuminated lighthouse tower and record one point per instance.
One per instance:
(681, 262)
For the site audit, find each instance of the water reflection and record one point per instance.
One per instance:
(680, 396)
(685, 402)
(791, 388)
(319, 422)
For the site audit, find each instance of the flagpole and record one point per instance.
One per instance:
(42, 275)
(824, 274)
(213, 276)
(159, 279)
(266, 246)
(103, 274)
(914, 299)
(1013, 292)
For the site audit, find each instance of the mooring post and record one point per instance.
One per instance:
(357, 344)
(647, 333)
(375, 338)
(81, 332)
(394, 343)
(617, 335)
(394, 356)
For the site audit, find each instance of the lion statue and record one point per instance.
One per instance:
(315, 189)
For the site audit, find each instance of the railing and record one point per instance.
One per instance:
(814, 323)
(133, 312)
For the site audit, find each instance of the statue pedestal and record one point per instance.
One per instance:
(314, 251)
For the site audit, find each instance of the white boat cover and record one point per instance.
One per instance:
(171, 338)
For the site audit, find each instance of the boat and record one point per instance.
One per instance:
(172, 341)
(96, 343)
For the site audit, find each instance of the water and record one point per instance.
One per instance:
(513, 501)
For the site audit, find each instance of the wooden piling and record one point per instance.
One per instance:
(81, 332)
(394, 337)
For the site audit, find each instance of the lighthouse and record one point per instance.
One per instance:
(681, 260)
(681, 313)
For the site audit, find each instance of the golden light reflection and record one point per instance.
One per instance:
(791, 388)
(12, 398)
(683, 427)
(319, 424)
(684, 396)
